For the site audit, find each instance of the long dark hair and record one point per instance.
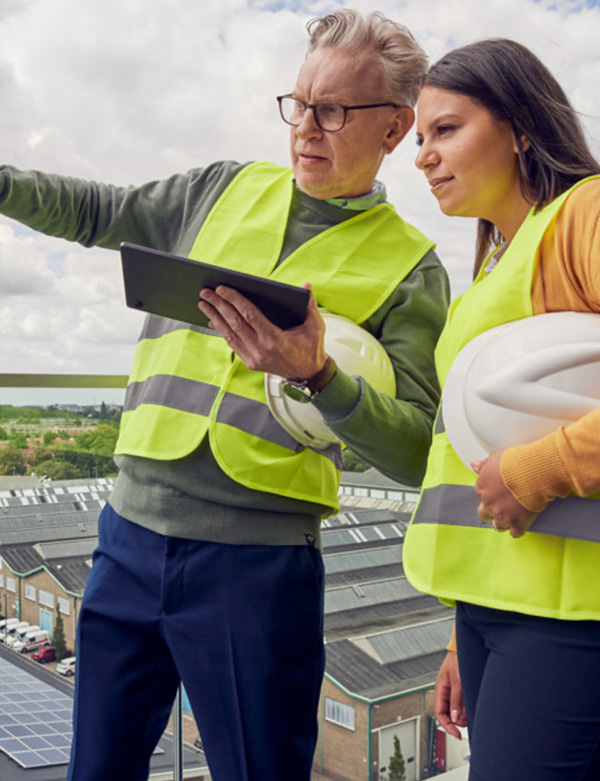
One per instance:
(513, 85)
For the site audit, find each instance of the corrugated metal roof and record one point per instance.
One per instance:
(22, 558)
(362, 559)
(409, 642)
(72, 573)
(33, 503)
(363, 595)
(361, 502)
(34, 486)
(357, 672)
(84, 524)
(54, 525)
(382, 616)
(63, 549)
(359, 517)
(337, 538)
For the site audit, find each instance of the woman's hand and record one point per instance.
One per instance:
(497, 502)
(448, 704)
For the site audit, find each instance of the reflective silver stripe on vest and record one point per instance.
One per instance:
(456, 505)
(155, 327)
(439, 423)
(242, 413)
(255, 418)
(173, 392)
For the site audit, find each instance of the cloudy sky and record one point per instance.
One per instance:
(130, 90)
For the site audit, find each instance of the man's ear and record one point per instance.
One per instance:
(402, 121)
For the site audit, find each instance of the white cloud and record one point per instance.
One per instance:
(129, 90)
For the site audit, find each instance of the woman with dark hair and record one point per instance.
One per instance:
(499, 141)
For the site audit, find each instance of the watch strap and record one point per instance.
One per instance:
(323, 377)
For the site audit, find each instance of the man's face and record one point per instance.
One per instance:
(344, 163)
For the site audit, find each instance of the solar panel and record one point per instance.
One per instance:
(35, 719)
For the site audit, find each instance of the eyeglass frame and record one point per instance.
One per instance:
(313, 106)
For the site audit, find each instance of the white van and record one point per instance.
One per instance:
(32, 641)
(15, 629)
(12, 639)
(6, 624)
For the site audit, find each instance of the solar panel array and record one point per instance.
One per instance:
(35, 719)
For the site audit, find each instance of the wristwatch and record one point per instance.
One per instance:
(305, 391)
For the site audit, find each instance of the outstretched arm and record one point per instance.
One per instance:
(156, 214)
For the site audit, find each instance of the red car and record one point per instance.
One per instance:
(45, 654)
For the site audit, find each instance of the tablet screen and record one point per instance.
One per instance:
(168, 285)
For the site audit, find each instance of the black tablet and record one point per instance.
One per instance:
(168, 285)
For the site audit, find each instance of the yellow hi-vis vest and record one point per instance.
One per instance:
(186, 382)
(552, 570)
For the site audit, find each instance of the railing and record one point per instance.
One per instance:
(77, 381)
(63, 380)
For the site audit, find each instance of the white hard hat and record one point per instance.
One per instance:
(520, 381)
(355, 351)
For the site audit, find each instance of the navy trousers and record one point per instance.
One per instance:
(532, 694)
(241, 626)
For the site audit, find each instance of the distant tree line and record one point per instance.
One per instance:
(351, 462)
(90, 455)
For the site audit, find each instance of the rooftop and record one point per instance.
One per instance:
(370, 607)
(10, 770)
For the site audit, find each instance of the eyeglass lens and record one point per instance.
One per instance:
(328, 116)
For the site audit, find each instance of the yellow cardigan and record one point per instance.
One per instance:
(567, 277)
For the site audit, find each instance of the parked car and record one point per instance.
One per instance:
(67, 666)
(44, 655)
(32, 641)
(12, 639)
(14, 630)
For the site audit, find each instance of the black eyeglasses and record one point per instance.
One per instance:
(330, 117)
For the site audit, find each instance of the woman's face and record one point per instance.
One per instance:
(470, 159)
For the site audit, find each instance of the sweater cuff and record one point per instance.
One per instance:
(339, 398)
(452, 644)
(535, 473)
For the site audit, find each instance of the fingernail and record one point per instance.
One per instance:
(454, 716)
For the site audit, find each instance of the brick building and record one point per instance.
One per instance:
(48, 531)
(385, 641)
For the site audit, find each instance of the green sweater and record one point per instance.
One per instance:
(192, 497)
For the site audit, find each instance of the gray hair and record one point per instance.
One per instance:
(404, 63)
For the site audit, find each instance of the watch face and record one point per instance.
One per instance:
(296, 392)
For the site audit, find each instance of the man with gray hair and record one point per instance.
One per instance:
(208, 568)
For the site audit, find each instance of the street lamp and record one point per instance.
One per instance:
(5, 617)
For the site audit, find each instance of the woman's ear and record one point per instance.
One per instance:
(523, 143)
